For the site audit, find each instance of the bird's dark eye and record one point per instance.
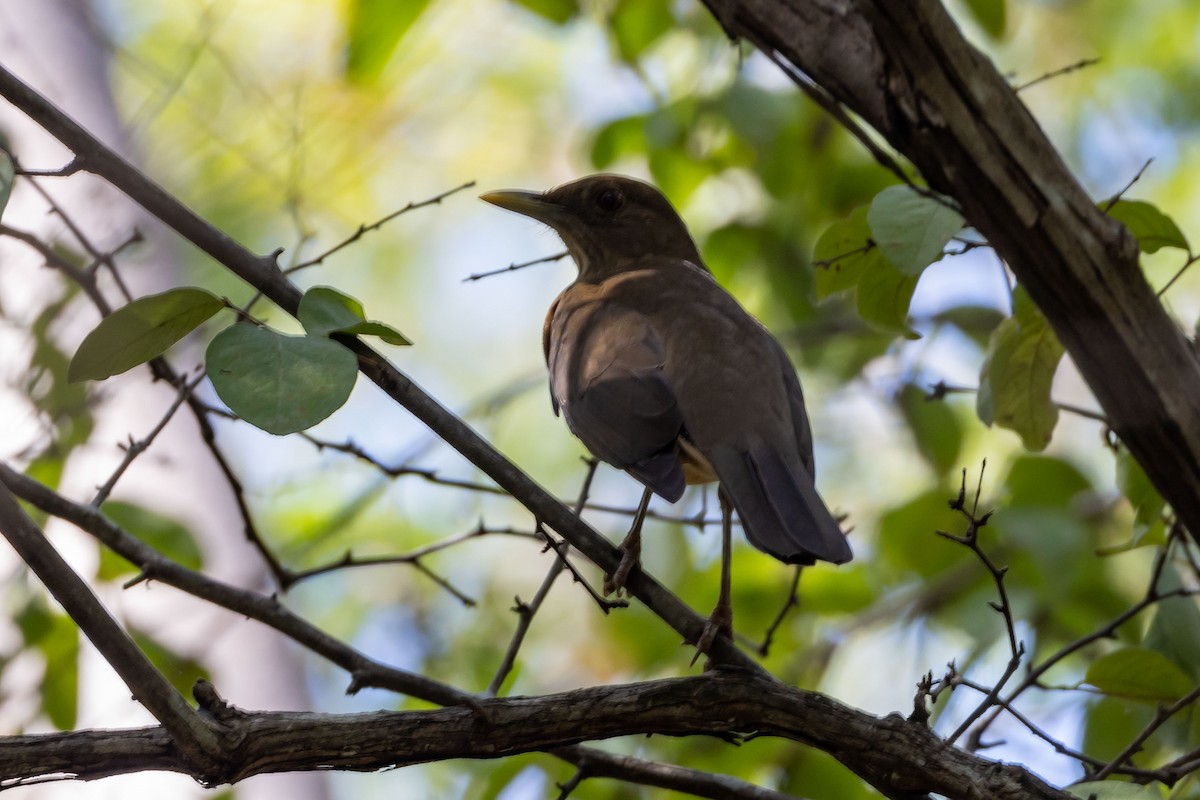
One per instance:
(610, 200)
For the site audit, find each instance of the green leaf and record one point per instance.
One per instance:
(281, 384)
(324, 310)
(1044, 482)
(140, 331)
(7, 175)
(936, 429)
(1139, 673)
(1114, 790)
(57, 637)
(884, 294)
(1111, 724)
(844, 253)
(911, 229)
(619, 139)
(181, 671)
(371, 328)
(1015, 380)
(164, 534)
(637, 24)
(559, 12)
(990, 14)
(1175, 630)
(1147, 503)
(375, 28)
(1152, 228)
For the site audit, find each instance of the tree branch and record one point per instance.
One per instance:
(902, 758)
(263, 274)
(906, 70)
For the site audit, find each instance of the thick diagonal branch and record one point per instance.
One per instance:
(906, 70)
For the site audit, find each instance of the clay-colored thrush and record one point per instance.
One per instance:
(661, 373)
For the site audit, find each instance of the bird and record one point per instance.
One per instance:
(660, 372)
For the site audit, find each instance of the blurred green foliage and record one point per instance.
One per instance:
(390, 103)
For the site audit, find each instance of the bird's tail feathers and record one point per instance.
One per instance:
(780, 510)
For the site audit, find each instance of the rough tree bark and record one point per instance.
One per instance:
(906, 69)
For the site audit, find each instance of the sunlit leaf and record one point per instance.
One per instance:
(936, 428)
(1015, 380)
(140, 331)
(911, 229)
(375, 28)
(324, 310)
(990, 14)
(164, 534)
(619, 139)
(281, 384)
(1147, 503)
(1152, 228)
(637, 24)
(1139, 673)
(884, 294)
(557, 11)
(843, 253)
(7, 176)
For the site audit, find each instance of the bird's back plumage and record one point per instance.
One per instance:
(659, 355)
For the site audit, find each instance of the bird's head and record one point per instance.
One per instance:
(609, 223)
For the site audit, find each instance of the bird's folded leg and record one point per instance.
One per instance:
(631, 550)
(720, 622)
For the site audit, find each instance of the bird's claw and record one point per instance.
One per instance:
(719, 624)
(615, 583)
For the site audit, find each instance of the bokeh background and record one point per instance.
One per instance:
(290, 124)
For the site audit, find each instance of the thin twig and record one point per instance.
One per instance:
(792, 601)
(1160, 717)
(1191, 259)
(970, 539)
(1078, 65)
(1112, 201)
(526, 611)
(514, 266)
(376, 225)
(136, 447)
(939, 390)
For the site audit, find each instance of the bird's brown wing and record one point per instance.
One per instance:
(606, 375)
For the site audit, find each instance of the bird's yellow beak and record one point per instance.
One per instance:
(531, 204)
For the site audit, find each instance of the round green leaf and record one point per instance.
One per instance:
(140, 331)
(281, 384)
(324, 310)
(1139, 673)
(1152, 228)
(936, 429)
(911, 229)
